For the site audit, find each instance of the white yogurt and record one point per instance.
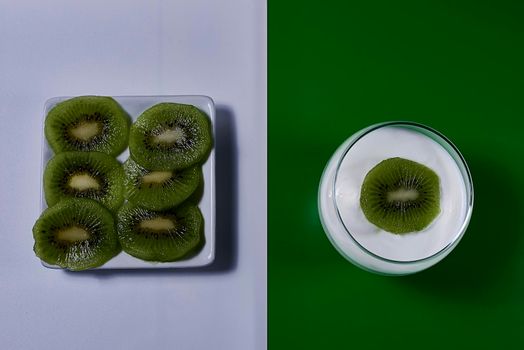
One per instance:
(365, 244)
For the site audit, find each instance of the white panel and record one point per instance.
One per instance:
(64, 48)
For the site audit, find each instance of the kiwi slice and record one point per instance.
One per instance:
(92, 175)
(88, 123)
(76, 234)
(162, 236)
(170, 136)
(159, 189)
(400, 196)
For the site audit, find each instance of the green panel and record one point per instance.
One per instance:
(338, 66)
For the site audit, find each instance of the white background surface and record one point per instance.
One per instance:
(215, 48)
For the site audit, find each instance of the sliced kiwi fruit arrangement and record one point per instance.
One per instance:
(170, 136)
(400, 196)
(97, 206)
(76, 234)
(88, 123)
(163, 236)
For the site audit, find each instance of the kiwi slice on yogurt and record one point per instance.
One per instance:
(170, 136)
(88, 123)
(91, 175)
(400, 196)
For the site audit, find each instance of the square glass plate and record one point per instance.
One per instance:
(134, 106)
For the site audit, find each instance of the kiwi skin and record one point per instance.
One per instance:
(93, 252)
(397, 216)
(115, 122)
(168, 156)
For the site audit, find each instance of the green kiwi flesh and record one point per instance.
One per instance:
(76, 234)
(160, 236)
(400, 196)
(87, 123)
(91, 175)
(170, 136)
(159, 190)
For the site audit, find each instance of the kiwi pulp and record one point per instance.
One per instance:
(87, 123)
(159, 190)
(92, 175)
(400, 196)
(170, 136)
(162, 236)
(76, 234)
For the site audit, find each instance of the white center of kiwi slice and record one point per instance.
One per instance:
(170, 136)
(83, 182)
(157, 177)
(86, 130)
(402, 195)
(72, 234)
(157, 224)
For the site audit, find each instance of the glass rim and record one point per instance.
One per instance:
(468, 183)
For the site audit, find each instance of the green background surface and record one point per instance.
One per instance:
(336, 67)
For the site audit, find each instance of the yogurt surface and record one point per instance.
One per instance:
(390, 142)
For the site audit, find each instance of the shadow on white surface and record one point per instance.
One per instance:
(226, 212)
